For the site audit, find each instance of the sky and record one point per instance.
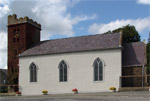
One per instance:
(70, 18)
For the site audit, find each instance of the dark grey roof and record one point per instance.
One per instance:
(134, 54)
(4, 71)
(75, 44)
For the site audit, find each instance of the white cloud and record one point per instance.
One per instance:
(4, 9)
(143, 1)
(53, 15)
(3, 50)
(140, 24)
(83, 18)
(5, 2)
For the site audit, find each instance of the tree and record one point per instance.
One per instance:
(148, 58)
(108, 32)
(130, 34)
(12, 78)
(148, 55)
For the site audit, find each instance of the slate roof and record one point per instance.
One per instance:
(75, 44)
(134, 54)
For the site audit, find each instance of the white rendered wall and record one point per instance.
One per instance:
(80, 72)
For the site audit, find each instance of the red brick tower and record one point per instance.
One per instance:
(22, 33)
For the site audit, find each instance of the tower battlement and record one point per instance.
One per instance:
(12, 20)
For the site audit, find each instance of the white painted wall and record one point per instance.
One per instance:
(80, 72)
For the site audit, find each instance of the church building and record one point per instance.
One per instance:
(92, 63)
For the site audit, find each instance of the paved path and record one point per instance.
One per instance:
(118, 96)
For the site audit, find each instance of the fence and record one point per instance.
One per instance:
(135, 81)
(9, 88)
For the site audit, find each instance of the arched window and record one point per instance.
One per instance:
(98, 70)
(62, 71)
(33, 73)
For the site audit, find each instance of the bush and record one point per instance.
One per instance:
(44, 91)
(112, 88)
(75, 89)
(3, 90)
(18, 92)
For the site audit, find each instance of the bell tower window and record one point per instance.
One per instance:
(16, 52)
(16, 35)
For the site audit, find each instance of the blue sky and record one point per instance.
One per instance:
(70, 18)
(107, 11)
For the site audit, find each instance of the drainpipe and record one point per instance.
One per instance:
(143, 75)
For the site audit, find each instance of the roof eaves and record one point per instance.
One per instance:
(136, 65)
(120, 47)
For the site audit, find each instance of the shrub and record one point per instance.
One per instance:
(112, 88)
(18, 92)
(44, 91)
(75, 89)
(4, 90)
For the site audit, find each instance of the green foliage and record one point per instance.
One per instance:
(148, 58)
(4, 90)
(130, 34)
(109, 32)
(12, 78)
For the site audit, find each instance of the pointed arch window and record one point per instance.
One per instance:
(62, 71)
(33, 72)
(98, 70)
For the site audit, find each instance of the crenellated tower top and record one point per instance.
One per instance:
(12, 20)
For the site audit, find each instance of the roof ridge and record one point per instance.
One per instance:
(79, 36)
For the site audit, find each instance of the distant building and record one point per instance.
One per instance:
(3, 76)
